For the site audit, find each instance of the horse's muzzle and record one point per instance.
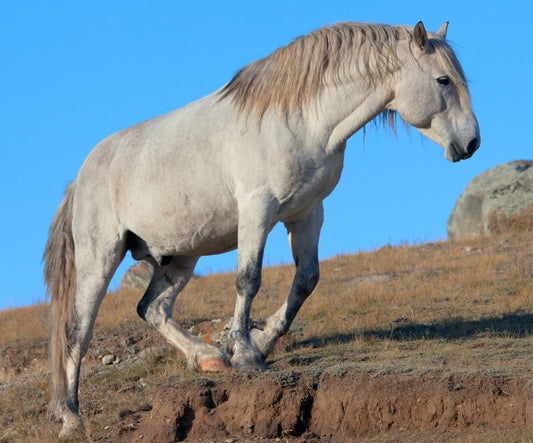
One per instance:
(454, 153)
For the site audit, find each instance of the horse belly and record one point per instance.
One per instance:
(175, 226)
(208, 234)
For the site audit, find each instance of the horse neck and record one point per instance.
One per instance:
(343, 110)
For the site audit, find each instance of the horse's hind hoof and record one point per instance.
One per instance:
(214, 365)
(72, 429)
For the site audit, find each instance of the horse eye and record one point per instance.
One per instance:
(444, 80)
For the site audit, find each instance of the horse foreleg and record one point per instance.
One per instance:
(254, 225)
(303, 238)
(156, 308)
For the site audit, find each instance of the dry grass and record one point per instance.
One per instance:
(29, 323)
(445, 307)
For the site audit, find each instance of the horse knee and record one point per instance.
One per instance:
(248, 281)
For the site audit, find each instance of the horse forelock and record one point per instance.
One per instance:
(450, 63)
(293, 75)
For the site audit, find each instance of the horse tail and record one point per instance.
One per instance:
(60, 278)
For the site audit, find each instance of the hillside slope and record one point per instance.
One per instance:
(408, 343)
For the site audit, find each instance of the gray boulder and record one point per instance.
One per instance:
(496, 201)
(137, 276)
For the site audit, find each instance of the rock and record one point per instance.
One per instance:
(496, 201)
(137, 277)
(108, 359)
(99, 352)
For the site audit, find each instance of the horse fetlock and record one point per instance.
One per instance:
(265, 334)
(55, 412)
(236, 339)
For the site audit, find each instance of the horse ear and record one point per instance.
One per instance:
(421, 36)
(443, 30)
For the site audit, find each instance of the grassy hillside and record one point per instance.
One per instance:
(446, 308)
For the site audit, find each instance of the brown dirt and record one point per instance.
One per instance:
(318, 407)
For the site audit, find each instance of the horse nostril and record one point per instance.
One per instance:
(472, 146)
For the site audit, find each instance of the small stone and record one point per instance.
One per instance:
(129, 427)
(108, 359)
(248, 429)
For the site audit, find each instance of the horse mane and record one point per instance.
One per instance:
(292, 76)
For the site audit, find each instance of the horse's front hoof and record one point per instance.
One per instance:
(243, 365)
(214, 365)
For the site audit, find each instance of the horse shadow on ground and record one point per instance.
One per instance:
(511, 326)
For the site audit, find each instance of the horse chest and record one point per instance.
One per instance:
(309, 185)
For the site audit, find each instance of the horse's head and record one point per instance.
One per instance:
(431, 93)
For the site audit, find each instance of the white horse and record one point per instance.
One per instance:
(219, 173)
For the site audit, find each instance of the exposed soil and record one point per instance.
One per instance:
(330, 405)
(318, 407)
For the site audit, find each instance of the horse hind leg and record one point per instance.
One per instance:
(79, 263)
(93, 277)
(156, 308)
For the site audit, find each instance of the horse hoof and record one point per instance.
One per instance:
(72, 430)
(248, 365)
(214, 365)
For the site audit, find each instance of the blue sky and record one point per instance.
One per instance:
(74, 72)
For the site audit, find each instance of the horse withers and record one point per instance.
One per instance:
(219, 173)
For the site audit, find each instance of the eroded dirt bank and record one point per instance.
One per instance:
(318, 407)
